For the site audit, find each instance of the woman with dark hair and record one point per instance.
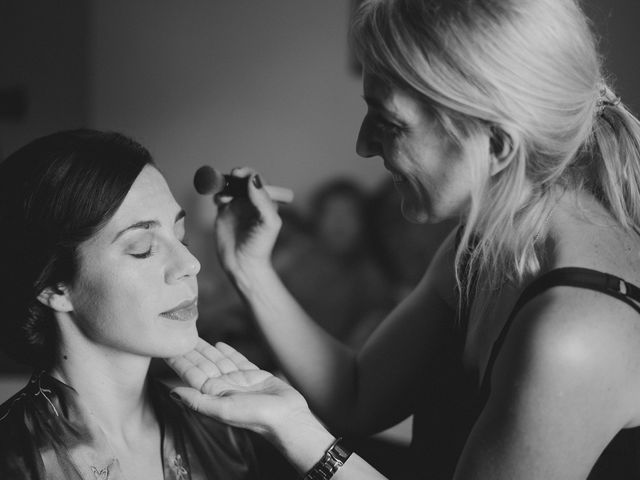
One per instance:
(96, 280)
(518, 352)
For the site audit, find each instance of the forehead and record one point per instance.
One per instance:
(149, 198)
(149, 192)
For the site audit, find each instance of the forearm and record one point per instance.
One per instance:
(322, 368)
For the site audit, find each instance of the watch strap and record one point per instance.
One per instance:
(334, 457)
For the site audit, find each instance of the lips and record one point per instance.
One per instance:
(183, 312)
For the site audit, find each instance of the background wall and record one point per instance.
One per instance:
(231, 83)
(43, 52)
(616, 23)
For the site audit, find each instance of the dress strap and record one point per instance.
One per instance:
(570, 277)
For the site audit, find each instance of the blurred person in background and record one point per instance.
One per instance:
(337, 213)
(518, 352)
(330, 253)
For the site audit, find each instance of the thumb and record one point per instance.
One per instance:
(217, 407)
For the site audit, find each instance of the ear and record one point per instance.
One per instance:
(501, 149)
(56, 298)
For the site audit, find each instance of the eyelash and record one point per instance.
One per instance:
(146, 254)
(151, 251)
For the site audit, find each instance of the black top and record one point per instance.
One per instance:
(454, 406)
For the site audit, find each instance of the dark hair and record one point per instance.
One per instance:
(55, 193)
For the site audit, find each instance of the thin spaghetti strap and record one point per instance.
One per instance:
(570, 277)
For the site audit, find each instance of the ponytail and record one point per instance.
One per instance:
(617, 151)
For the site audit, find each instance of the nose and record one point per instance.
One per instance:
(182, 264)
(367, 145)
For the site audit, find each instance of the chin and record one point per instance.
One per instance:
(416, 215)
(180, 344)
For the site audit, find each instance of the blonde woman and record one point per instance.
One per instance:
(519, 351)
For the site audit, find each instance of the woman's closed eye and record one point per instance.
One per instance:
(149, 250)
(143, 254)
(143, 247)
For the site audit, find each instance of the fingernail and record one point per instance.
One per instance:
(257, 181)
(175, 396)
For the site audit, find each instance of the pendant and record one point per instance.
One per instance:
(102, 474)
(179, 469)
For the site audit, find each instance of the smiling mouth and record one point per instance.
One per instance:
(184, 312)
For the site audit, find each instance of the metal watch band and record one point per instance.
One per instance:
(335, 456)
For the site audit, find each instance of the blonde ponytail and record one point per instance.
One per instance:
(616, 148)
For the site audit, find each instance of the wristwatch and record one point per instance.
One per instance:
(335, 456)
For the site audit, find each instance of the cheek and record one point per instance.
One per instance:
(107, 299)
(455, 190)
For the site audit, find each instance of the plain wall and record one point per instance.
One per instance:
(231, 83)
(616, 23)
(43, 50)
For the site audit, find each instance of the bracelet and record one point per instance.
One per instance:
(331, 461)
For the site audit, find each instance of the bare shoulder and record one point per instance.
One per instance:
(577, 342)
(575, 334)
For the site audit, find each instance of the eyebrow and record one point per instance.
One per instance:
(147, 224)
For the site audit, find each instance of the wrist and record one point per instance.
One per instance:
(249, 274)
(302, 439)
(333, 459)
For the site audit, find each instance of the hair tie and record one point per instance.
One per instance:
(606, 98)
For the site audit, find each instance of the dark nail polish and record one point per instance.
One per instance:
(175, 396)
(257, 181)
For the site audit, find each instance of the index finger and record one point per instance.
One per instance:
(211, 353)
(187, 371)
(240, 360)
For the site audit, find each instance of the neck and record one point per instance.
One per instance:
(111, 384)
